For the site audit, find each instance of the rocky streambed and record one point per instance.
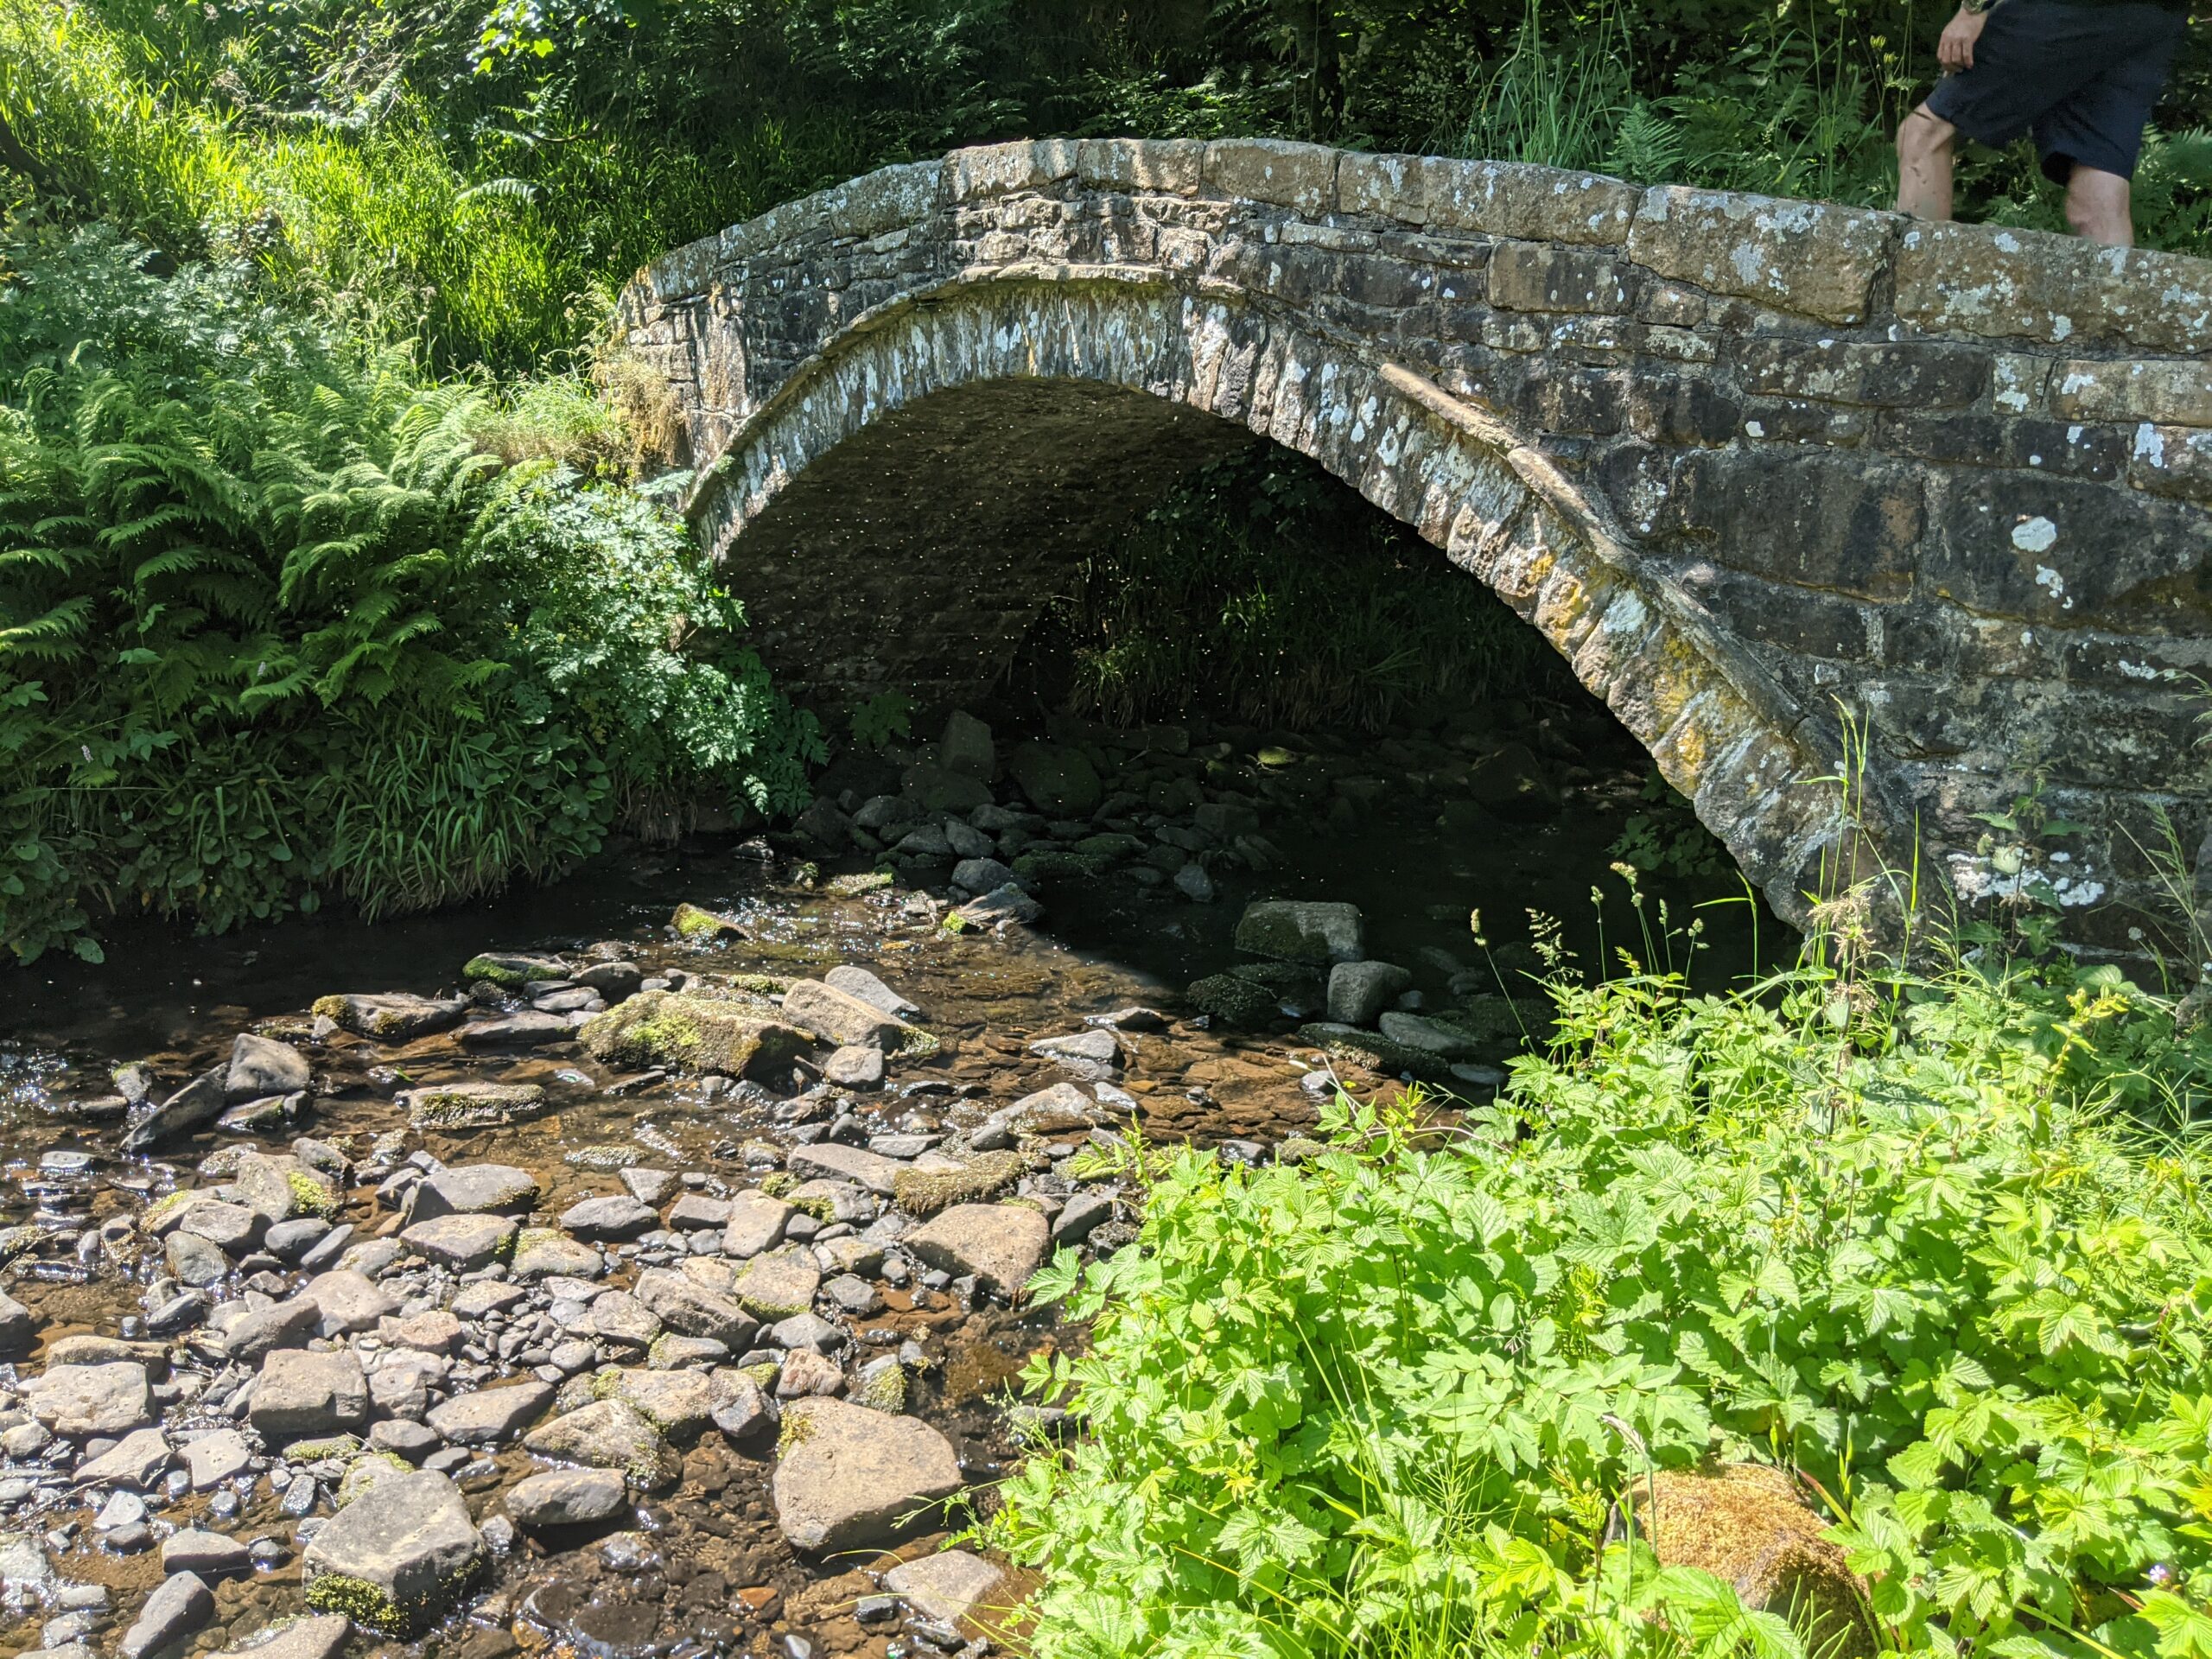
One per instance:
(655, 1287)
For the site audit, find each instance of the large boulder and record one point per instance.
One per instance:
(397, 1556)
(848, 1477)
(1302, 930)
(1360, 990)
(1058, 777)
(262, 1065)
(691, 1033)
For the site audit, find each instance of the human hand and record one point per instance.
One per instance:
(1956, 50)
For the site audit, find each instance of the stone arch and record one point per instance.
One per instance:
(1765, 472)
(1753, 763)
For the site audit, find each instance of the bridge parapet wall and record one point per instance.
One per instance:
(1953, 480)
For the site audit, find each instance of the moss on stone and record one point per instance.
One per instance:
(919, 1045)
(509, 973)
(481, 1106)
(360, 1600)
(1053, 862)
(604, 1157)
(685, 1033)
(883, 1389)
(798, 1429)
(1233, 998)
(853, 886)
(309, 1196)
(760, 984)
(776, 1185)
(365, 1470)
(692, 923)
(924, 1192)
(1364, 1048)
(329, 1007)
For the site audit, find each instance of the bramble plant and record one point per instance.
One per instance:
(1932, 1252)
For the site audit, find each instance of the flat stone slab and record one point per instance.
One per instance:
(568, 1497)
(1001, 1243)
(451, 1106)
(397, 1555)
(475, 1190)
(136, 1461)
(756, 1224)
(693, 1309)
(614, 1216)
(948, 1586)
(463, 1243)
(311, 1636)
(838, 1017)
(830, 1160)
(491, 1416)
(345, 1300)
(391, 1017)
(849, 1477)
(608, 1434)
(83, 1401)
(776, 1287)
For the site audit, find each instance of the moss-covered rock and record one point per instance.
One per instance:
(703, 926)
(1232, 998)
(1048, 861)
(691, 1033)
(472, 1105)
(924, 1192)
(391, 1017)
(1350, 1044)
(512, 972)
(853, 886)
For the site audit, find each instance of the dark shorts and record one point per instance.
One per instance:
(2083, 79)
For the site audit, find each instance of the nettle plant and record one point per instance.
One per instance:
(1924, 1256)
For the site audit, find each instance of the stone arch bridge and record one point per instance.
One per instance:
(1767, 474)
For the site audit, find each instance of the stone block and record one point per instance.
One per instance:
(1995, 280)
(988, 170)
(1170, 166)
(1516, 198)
(1299, 176)
(1388, 186)
(1801, 257)
(2169, 392)
(2064, 551)
(1523, 278)
(2070, 451)
(1910, 374)
(884, 200)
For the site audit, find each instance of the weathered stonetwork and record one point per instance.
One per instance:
(1765, 472)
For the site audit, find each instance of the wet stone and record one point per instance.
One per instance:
(261, 1065)
(300, 1394)
(210, 1554)
(1001, 1244)
(651, 1187)
(181, 1603)
(211, 1459)
(616, 1216)
(568, 1497)
(608, 1434)
(475, 1189)
(507, 1033)
(315, 1635)
(136, 1460)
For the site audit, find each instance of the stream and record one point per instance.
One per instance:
(576, 1272)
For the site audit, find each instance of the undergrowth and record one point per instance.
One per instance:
(278, 624)
(1940, 1247)
(1265, 591)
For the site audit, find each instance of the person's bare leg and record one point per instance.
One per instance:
(1925, 143)
(2097, 208)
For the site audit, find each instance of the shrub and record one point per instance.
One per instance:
(1387, 1402)
(274, 625)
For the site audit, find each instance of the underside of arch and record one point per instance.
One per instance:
(1057, 356)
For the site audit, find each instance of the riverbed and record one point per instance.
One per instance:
(915, 1081)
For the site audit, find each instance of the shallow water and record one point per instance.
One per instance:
(703, 1569)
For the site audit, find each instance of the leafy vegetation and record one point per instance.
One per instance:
(1939, 1248)
(275, 625)
(1265, 591)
